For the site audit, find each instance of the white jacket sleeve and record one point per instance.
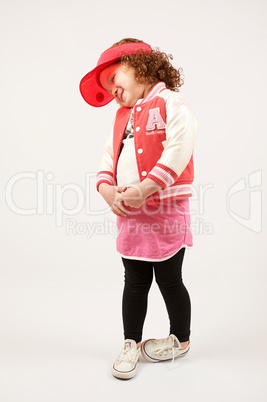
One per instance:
(180, 134)
(105, 173)
(181, 129)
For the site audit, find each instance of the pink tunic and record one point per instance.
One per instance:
(154, 232)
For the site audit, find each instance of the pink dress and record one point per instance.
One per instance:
(154, 232)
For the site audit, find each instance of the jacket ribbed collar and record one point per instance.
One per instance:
(155, 90)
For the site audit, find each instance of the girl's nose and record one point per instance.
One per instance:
(114, 92)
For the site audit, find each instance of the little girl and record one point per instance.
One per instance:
(145, 176)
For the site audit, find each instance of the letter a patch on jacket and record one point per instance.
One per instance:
(154, 119)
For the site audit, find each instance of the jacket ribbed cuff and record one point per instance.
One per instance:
(105, 177)
(163, 175)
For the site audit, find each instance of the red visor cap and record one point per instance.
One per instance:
(90, 87)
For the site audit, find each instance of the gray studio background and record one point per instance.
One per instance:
(60, 276)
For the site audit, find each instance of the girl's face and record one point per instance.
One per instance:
(119, 80)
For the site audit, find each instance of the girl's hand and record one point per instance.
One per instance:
(111, 195)
(135, 196)
(132, 197)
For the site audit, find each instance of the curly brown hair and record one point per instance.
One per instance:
(152, 67)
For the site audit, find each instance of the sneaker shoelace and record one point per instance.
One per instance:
(165, 350)
(127, 354)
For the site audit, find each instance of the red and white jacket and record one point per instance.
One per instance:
(164, 137)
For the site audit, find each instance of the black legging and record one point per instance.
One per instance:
(138, 278)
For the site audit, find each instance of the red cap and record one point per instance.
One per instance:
(90, 87)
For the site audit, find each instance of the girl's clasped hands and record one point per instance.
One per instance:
(121, 199)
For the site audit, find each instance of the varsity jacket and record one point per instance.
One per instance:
(164, 137)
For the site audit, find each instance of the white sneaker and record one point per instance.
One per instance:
(157, 350)
(125, 364)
